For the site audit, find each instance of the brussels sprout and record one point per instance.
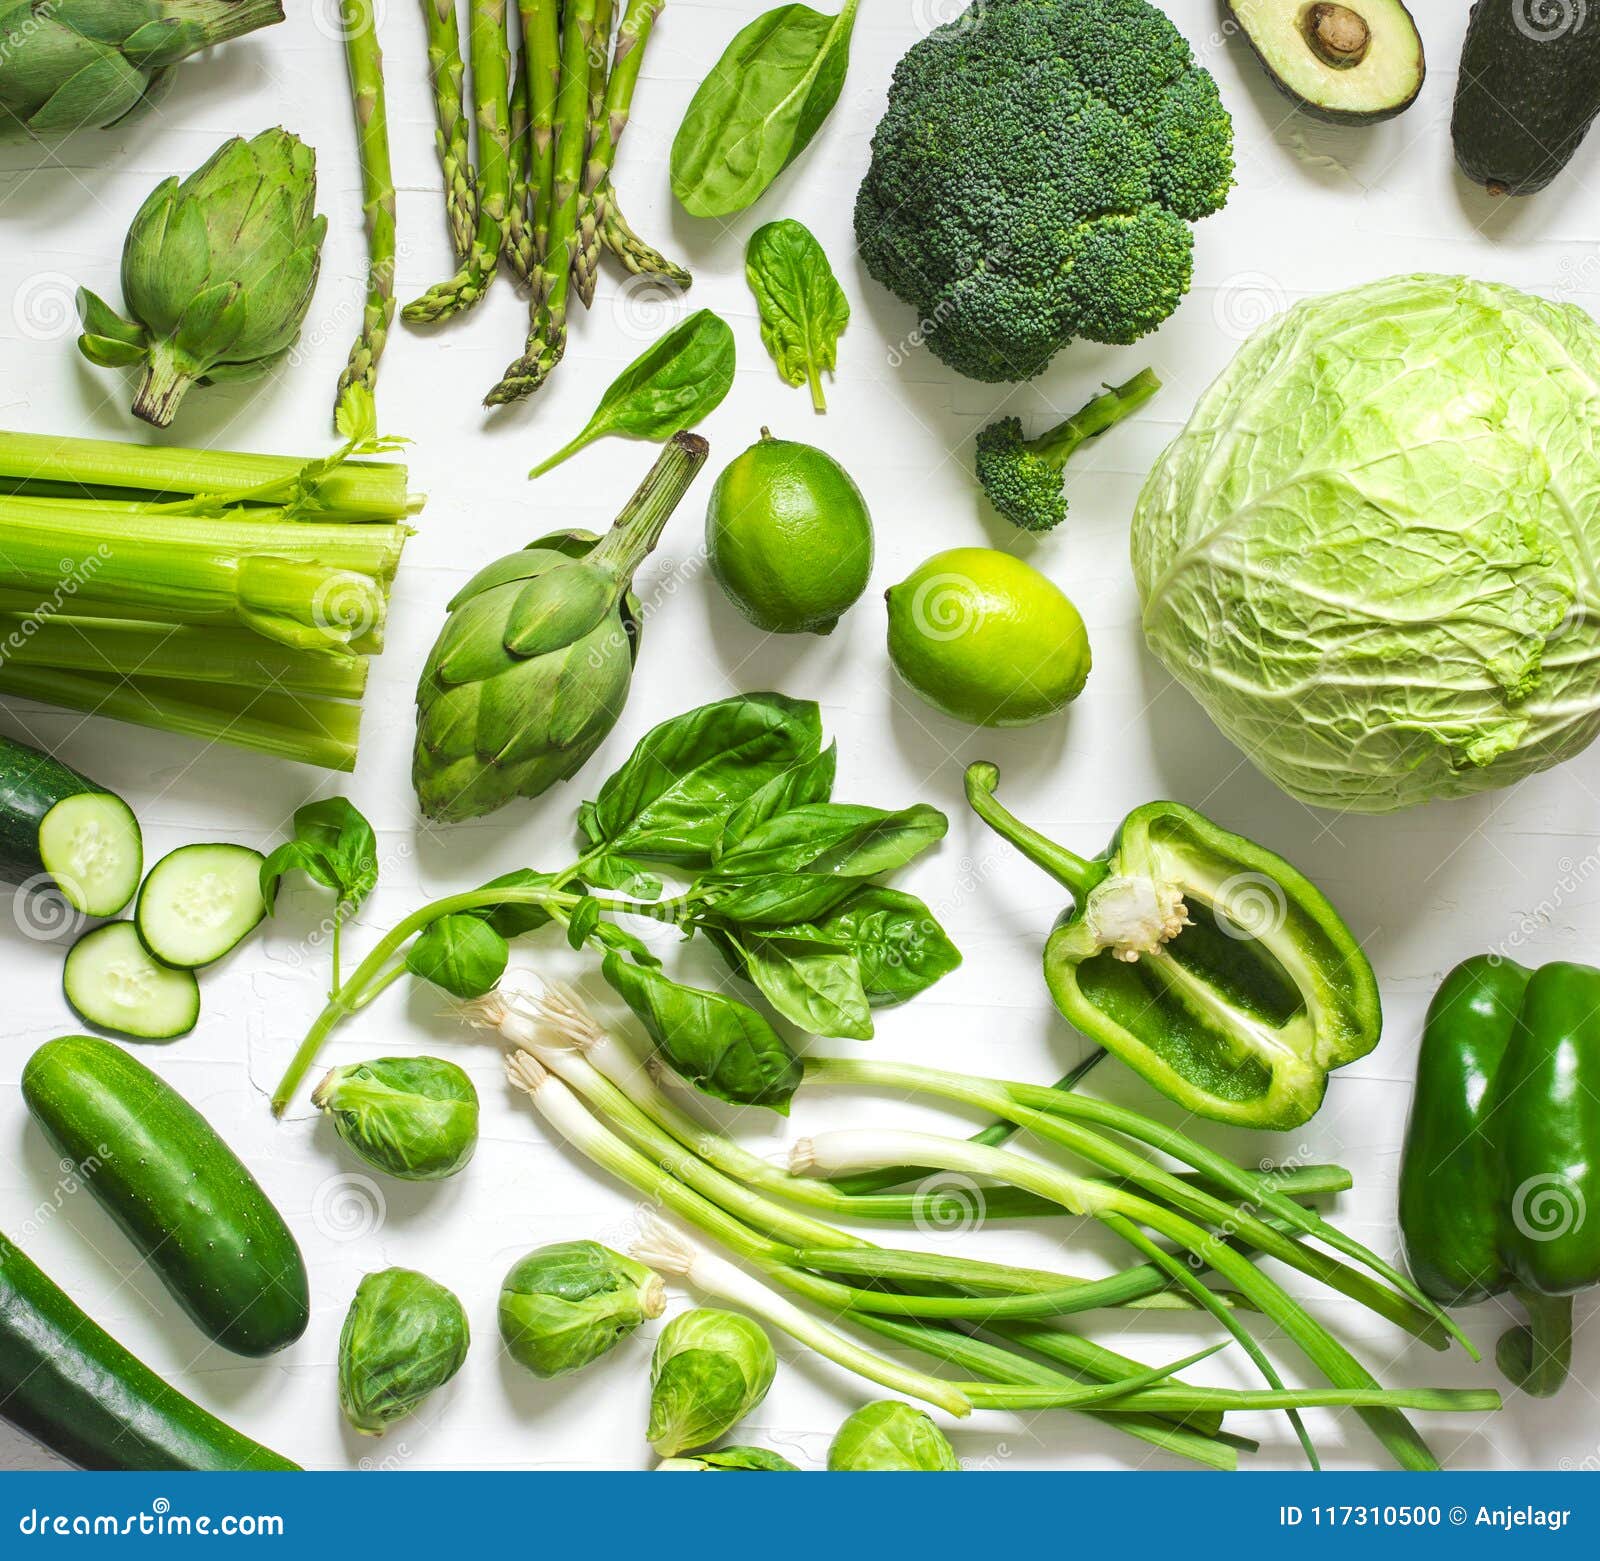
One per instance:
(566, 1305)
(403, 1336)
(740, 1460)
(710, 1369)
(414, 1117)
(889, 1435)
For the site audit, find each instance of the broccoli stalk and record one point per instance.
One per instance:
(1023, 477)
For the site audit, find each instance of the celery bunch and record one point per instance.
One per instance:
(232, 598)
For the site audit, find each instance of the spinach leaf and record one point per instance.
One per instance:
(900, 948)
(803, 308)
(461, 953)
(811, 983)
(809, 781)
(669, 387)
(719, 1044)
(333, 845)
(760, 107)
(673, 793)
(837, 838)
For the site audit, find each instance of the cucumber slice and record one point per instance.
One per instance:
(198, 902)
(111, 981)
(90, 845)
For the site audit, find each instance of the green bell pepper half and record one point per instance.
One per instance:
(1500, 1176)
(1203, 960)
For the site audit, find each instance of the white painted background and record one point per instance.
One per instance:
(1316, 208)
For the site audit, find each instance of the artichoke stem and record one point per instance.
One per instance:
(162, 387)
(638, 528)
(222, 20)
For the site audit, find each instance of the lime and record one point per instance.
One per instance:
(788, 537)
(986, 638)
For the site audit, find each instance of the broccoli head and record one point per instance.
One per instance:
(1034, 177)
(1023, 477)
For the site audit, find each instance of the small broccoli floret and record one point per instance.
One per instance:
(1023, 477)
(1034, 178)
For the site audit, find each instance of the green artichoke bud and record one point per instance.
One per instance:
(566, 1305)
(217, 274)
(710, 1369)
(413, 1117)
(80, 64)
(891, 1436)
(535, 660)
(403, 1337)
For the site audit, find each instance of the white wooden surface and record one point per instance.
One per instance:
(1316, 208)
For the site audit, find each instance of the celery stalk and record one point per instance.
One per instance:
(354, 491)
(323, 732)
(188, 653)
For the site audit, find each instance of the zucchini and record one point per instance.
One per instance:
(198, 902)
(181, 1196)
(58, 827)
(69, 1385)
(111, 981)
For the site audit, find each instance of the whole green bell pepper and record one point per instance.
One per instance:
(1500, 1177)
(1203, 960)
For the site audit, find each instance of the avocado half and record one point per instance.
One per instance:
(1347, 64)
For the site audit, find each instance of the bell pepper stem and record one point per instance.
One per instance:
(1070, 870)
(1538, 1356)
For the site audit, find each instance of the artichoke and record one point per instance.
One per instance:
(217, 273)
(79, 64)
(536, 656)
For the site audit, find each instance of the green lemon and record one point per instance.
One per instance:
(986, 638)
(788, 537)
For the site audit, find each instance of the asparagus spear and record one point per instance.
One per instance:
(639, 257)
(541, 79)
(365, 61)
(519, 218)
(609, 120)
(547, 330)
(490, 50)
(447, 71)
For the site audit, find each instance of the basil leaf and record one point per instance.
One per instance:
(838, 838)
(810, 781)
(811, 985)
(898, 944)
(583, 921)
(719, 1044)
(514, 920)
(619, 872)
(670, 798)
(333, 845)
(461, 953)
(758, 110)
(803, 308)
(775, 900)
(669, 387)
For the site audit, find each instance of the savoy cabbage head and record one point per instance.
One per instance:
(1372, 555)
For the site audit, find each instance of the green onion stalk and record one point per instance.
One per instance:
(621, 1136)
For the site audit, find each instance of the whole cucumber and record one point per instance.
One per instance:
(71, 1387)
(184, 1199)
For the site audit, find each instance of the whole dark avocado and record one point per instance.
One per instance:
(1346, 64)
(1528, 91)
